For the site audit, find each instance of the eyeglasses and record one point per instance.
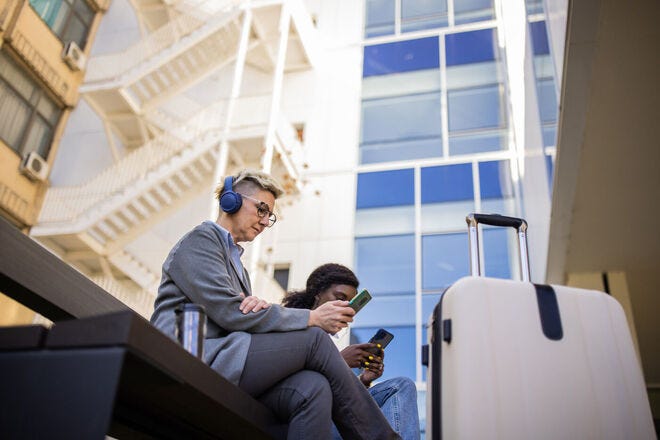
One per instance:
(263, 210)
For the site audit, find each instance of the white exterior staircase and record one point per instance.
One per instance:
(176, 158)
(152, 181)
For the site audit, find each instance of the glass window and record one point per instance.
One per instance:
(379, 18)
(28, 117)
(400, 128)
(497, 262)
(479, 142)
(539, 38)
(468, 11)
(447, 183)
(470, 47)
(397, 310)
(400, 354)
(401, 116)
(475, 108)
(475, 104)
(547, 100)
(385, 203)
(550, 168)
(70, 20)
(386, 265)
(496, 185)
(447, 197)
(423, 14)
(385, 188)
(390, 220)
(534, 6)
(401, 56)
(495, 180)
(444, 260)
(549, 135)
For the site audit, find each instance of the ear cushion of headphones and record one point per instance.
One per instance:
(230, 202)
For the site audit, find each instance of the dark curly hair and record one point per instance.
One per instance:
(319, 280)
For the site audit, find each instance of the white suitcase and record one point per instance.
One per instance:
(511, 360)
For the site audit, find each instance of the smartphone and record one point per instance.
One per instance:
(382, 337)
(360, 300)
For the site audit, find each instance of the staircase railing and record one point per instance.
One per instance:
(112, 66)
(67, 204)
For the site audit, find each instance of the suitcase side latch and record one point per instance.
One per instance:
(446, 330)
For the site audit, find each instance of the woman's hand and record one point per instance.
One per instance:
(357, 356)
(373, 368)
(331, 316)
(252, 304)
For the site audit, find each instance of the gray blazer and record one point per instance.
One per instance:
(199, 269)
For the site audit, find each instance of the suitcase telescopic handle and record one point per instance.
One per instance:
(518, 224)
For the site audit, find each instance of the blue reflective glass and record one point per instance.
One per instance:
(401, 117)
(474, 108)
(479, 142)
(400, 354)
(550, 168)
(470, 47)
(401, 149)
(386, 265)
(444, 260)
(385, 188)
(496, 253)
(534, 6)
(401, 56)
(447, 183)
(469, 11)
(379, 18)
(547, 100)
(495, 180)
(423, 14)
(390, 309)
(549, 135)
(539, 38)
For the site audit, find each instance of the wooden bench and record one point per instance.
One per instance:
(103, 369)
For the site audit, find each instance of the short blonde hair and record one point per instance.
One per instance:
(251, 181)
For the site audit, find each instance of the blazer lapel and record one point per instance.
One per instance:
(242, 276)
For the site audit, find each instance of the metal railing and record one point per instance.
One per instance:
(112, 66)
(66, 205)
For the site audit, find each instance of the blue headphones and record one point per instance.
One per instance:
(230, 201)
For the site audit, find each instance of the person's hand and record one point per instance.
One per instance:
(252, 304)
(357, 356)
(372, 369)
(331, 316)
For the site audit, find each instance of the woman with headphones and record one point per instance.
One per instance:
(280, 356)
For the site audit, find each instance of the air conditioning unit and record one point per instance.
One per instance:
(34, 166)
(74, 56)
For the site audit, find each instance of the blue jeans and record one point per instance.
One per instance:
(397, 399)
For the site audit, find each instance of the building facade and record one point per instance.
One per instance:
(43, 50)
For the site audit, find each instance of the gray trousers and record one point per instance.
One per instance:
(304, 380)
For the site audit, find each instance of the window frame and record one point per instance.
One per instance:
(38, 93)
(67, 21)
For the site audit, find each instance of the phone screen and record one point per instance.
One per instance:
(360, 300)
